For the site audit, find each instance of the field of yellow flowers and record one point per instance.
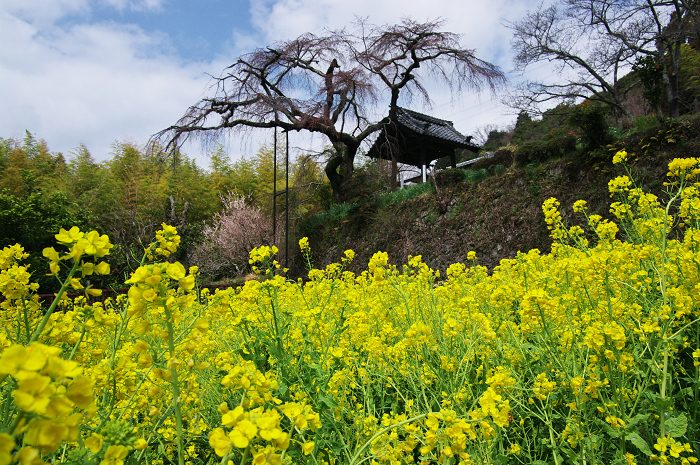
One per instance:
(587, 355)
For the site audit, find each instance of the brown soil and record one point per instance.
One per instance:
(500, 215)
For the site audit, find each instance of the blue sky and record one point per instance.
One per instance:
(196, 29)
(100, 71)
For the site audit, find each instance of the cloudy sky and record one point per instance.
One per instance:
(99, 71)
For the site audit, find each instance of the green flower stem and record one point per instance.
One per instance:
(353, 460)
(17, 421)
(118, 332)
(176, 387)
(77, 344)
(136, 391)
(696, 384)
(45, 320)
(551, 438)
(662, 410)
(662, 283)
(333, 424)
(26, 322)
(683, 328)
(245, 455)
(7, 405)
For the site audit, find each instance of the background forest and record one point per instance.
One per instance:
(129, 196)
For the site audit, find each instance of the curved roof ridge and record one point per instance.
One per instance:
(430, 125)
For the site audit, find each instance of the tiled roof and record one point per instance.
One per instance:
(417, 139)
(431, 126)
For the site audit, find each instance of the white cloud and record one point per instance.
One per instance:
(478, 21)
(93, 84)
(42, 12)
(69, 80)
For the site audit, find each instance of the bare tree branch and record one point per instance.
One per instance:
(600, 39)
(327, 84)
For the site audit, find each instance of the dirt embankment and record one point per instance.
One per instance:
(498, 216)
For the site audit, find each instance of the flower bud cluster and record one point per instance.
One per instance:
(14, 279)
(79, 245)
(51, 392)
(114, 443)
(166, 243)
(150, 285)
(377, 266)
(15, 282)
(262, 259)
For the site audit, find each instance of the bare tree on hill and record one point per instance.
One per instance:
(328, 85)
(599, 40)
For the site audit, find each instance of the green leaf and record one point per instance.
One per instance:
(328, 401)
(636, 420)
(661, 403)
(677, 426)
(558, 457)
(334, 446)
(641, 444)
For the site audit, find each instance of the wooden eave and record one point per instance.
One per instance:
(417, 139)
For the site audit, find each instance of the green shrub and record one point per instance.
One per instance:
(449, 176)
(341, 211)
(592, 121)
(533, 151)
(644, 123)
(407, 193)
(476, 176)
(33, 222)
(502, 157)
(562, 145)
(366, 181)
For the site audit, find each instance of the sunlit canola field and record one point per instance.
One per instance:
(587, 355)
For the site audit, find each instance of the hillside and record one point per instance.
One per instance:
(495, 211)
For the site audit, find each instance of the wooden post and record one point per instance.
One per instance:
(274, 192)
(286, 212)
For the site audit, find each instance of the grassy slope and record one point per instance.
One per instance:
(500, 215)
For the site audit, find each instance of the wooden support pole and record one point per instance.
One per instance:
(274, 191)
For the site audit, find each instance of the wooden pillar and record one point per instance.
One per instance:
(422, 160)
(453, 159)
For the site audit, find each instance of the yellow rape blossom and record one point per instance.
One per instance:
(620, 157)
(94, 443)
(115, 455)
(7, 445)
(307, 447)
(18, 361)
